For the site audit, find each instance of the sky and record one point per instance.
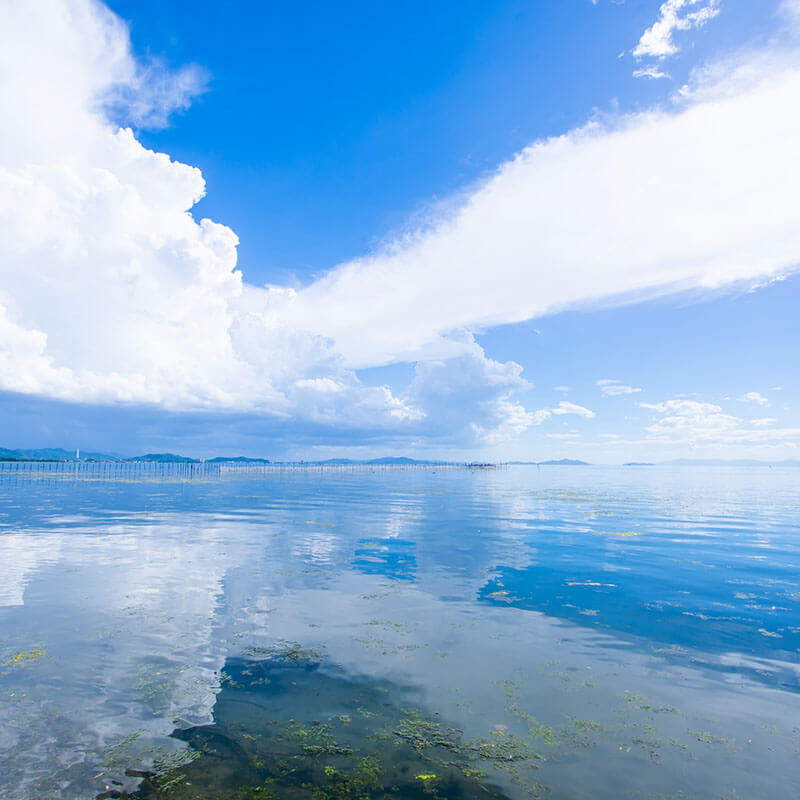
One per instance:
(506, 230)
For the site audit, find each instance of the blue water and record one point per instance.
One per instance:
(566, 632)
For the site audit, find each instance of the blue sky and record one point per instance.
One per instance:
(484, 235)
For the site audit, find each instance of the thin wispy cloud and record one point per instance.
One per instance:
(572, 408)
(754, 397)
(561, 409)
(650, 71)
(790, 9)
(148, 94)
(615, 388)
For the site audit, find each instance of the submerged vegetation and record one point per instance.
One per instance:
(289, 725)
(284, 727)
(23, 658)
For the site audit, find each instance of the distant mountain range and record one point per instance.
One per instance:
(388, 460)
(52, 454)
(559, 462)
(59, 454)
(237, 460)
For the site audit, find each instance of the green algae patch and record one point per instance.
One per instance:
(536, 729)
(710, 738)
(24, 657)
(284, 652)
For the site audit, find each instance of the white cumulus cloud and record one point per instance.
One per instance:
(694, 422)
(112, 292)
(674, 15)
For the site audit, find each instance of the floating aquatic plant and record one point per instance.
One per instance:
(24, 657)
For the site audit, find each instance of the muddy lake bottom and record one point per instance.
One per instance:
(564, 633)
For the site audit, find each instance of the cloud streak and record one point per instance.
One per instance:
(562, 408)
(700, 196)
(650, 71)
(614, 388)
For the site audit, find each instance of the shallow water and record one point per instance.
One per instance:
(566, 632)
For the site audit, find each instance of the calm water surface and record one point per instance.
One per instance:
(562, 633)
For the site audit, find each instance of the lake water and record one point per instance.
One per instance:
(562, 633)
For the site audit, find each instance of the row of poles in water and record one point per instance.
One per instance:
(133, 469)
